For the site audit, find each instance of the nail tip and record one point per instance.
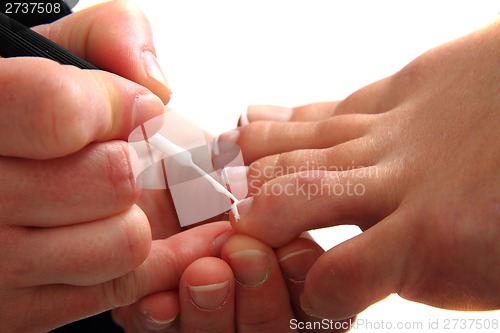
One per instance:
(244, 118)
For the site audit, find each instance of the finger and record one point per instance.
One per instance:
(153, 313)
(61, 115)
(286, 206)
(295, 259)
(206, 293)
(309, 112)
(372, 99)
(355, 154)
(115, 36)
(262, 302)
(355, 274)
(264, 138)
(160, 271)
(159, 207)
(99, 176)
(80, 254)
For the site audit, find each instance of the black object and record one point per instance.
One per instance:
(95, 324)
(17, 40)
(31, 13)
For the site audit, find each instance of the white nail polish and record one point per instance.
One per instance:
(215, 146)
(244, 118)
(268, 113)
(236, 178)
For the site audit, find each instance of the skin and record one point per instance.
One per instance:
(68, 254)
(266, 304)
(422, 146)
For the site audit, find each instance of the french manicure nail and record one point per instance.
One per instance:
(250, 267)
(268, 112)
(244, 118)
(296, 265)
(209, 297)
(231, 136)
(236, 178)
(153, 68)
(244, 206)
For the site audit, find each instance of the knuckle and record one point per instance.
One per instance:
(121, 291)
(413, 73)
(13, 266)
(61, 125)
(118, 173)
(127, 288)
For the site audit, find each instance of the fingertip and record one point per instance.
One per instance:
(250, 259)
(297, 257)
(155, 78)
(268, 113)
(137, 236)
(146, 106)
(208, 270)
(158, 311)
(154, 313)
(317, 307)
(262, 216)
(126, 48)
(129, 106)
(207, 294)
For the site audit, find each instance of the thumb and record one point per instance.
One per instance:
(62, 115)
(357, 273)
(115, 36)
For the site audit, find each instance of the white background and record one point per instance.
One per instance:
(220, 56)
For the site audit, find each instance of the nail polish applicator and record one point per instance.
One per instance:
(184, 157)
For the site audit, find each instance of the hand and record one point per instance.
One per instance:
(412, 159)
(69, 229)
(253, 289)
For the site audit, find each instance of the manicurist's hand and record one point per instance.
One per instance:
(412, 159)
(71, 236)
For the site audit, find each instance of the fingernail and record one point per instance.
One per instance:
(244, 118)
(145, 107)
(225, 149)
(250, 267)
(155, 324)
(295, 265)
(209, 297)
(235, 178)
(219, 241)
(306, 306)
(215, 146)
(231, 136)
(244, 206)
(153, 68)
(267, 112)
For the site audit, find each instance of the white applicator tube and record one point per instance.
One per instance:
(184, 158)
